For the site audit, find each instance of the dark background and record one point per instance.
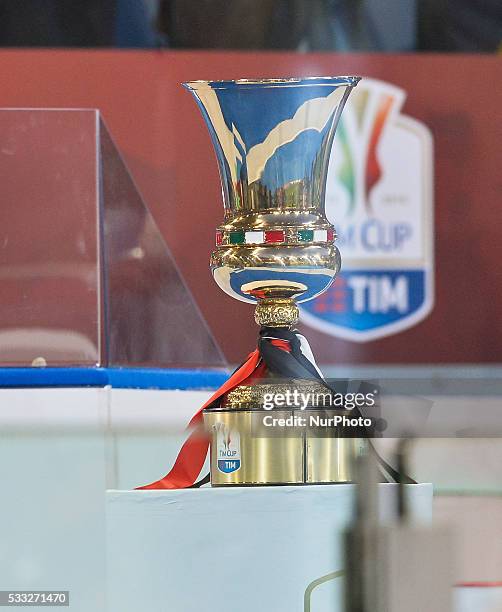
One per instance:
(302, 25)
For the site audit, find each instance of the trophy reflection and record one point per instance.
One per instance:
(275, 248)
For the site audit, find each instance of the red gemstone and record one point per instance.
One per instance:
(219, 238)
(274, 236)
(330, 234)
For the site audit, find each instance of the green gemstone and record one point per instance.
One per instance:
(237, 237)
(306, 235)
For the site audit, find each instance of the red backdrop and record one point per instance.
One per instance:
(162, 136)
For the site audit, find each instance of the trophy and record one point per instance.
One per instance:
(275, 248)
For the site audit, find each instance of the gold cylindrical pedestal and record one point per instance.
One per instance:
(330, 455)
(264, 459)
(244, 451)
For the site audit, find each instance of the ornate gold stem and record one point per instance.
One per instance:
(276, 312)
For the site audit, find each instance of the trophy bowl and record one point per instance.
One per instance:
(272, 139)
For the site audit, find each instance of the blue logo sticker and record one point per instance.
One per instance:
(379, 197)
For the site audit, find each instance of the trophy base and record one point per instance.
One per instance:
(257, 440)
(252, 445)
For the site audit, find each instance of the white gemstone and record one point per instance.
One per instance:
(320, 235)
(254, 237)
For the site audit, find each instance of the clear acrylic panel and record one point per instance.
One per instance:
(87, 278)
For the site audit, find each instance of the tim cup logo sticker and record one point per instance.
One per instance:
(379, 196)
(228, 449)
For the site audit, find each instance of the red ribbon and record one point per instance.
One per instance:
(281, 344)
(192, 455)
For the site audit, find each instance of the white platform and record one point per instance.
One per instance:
(483, 599)
(260, 549)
